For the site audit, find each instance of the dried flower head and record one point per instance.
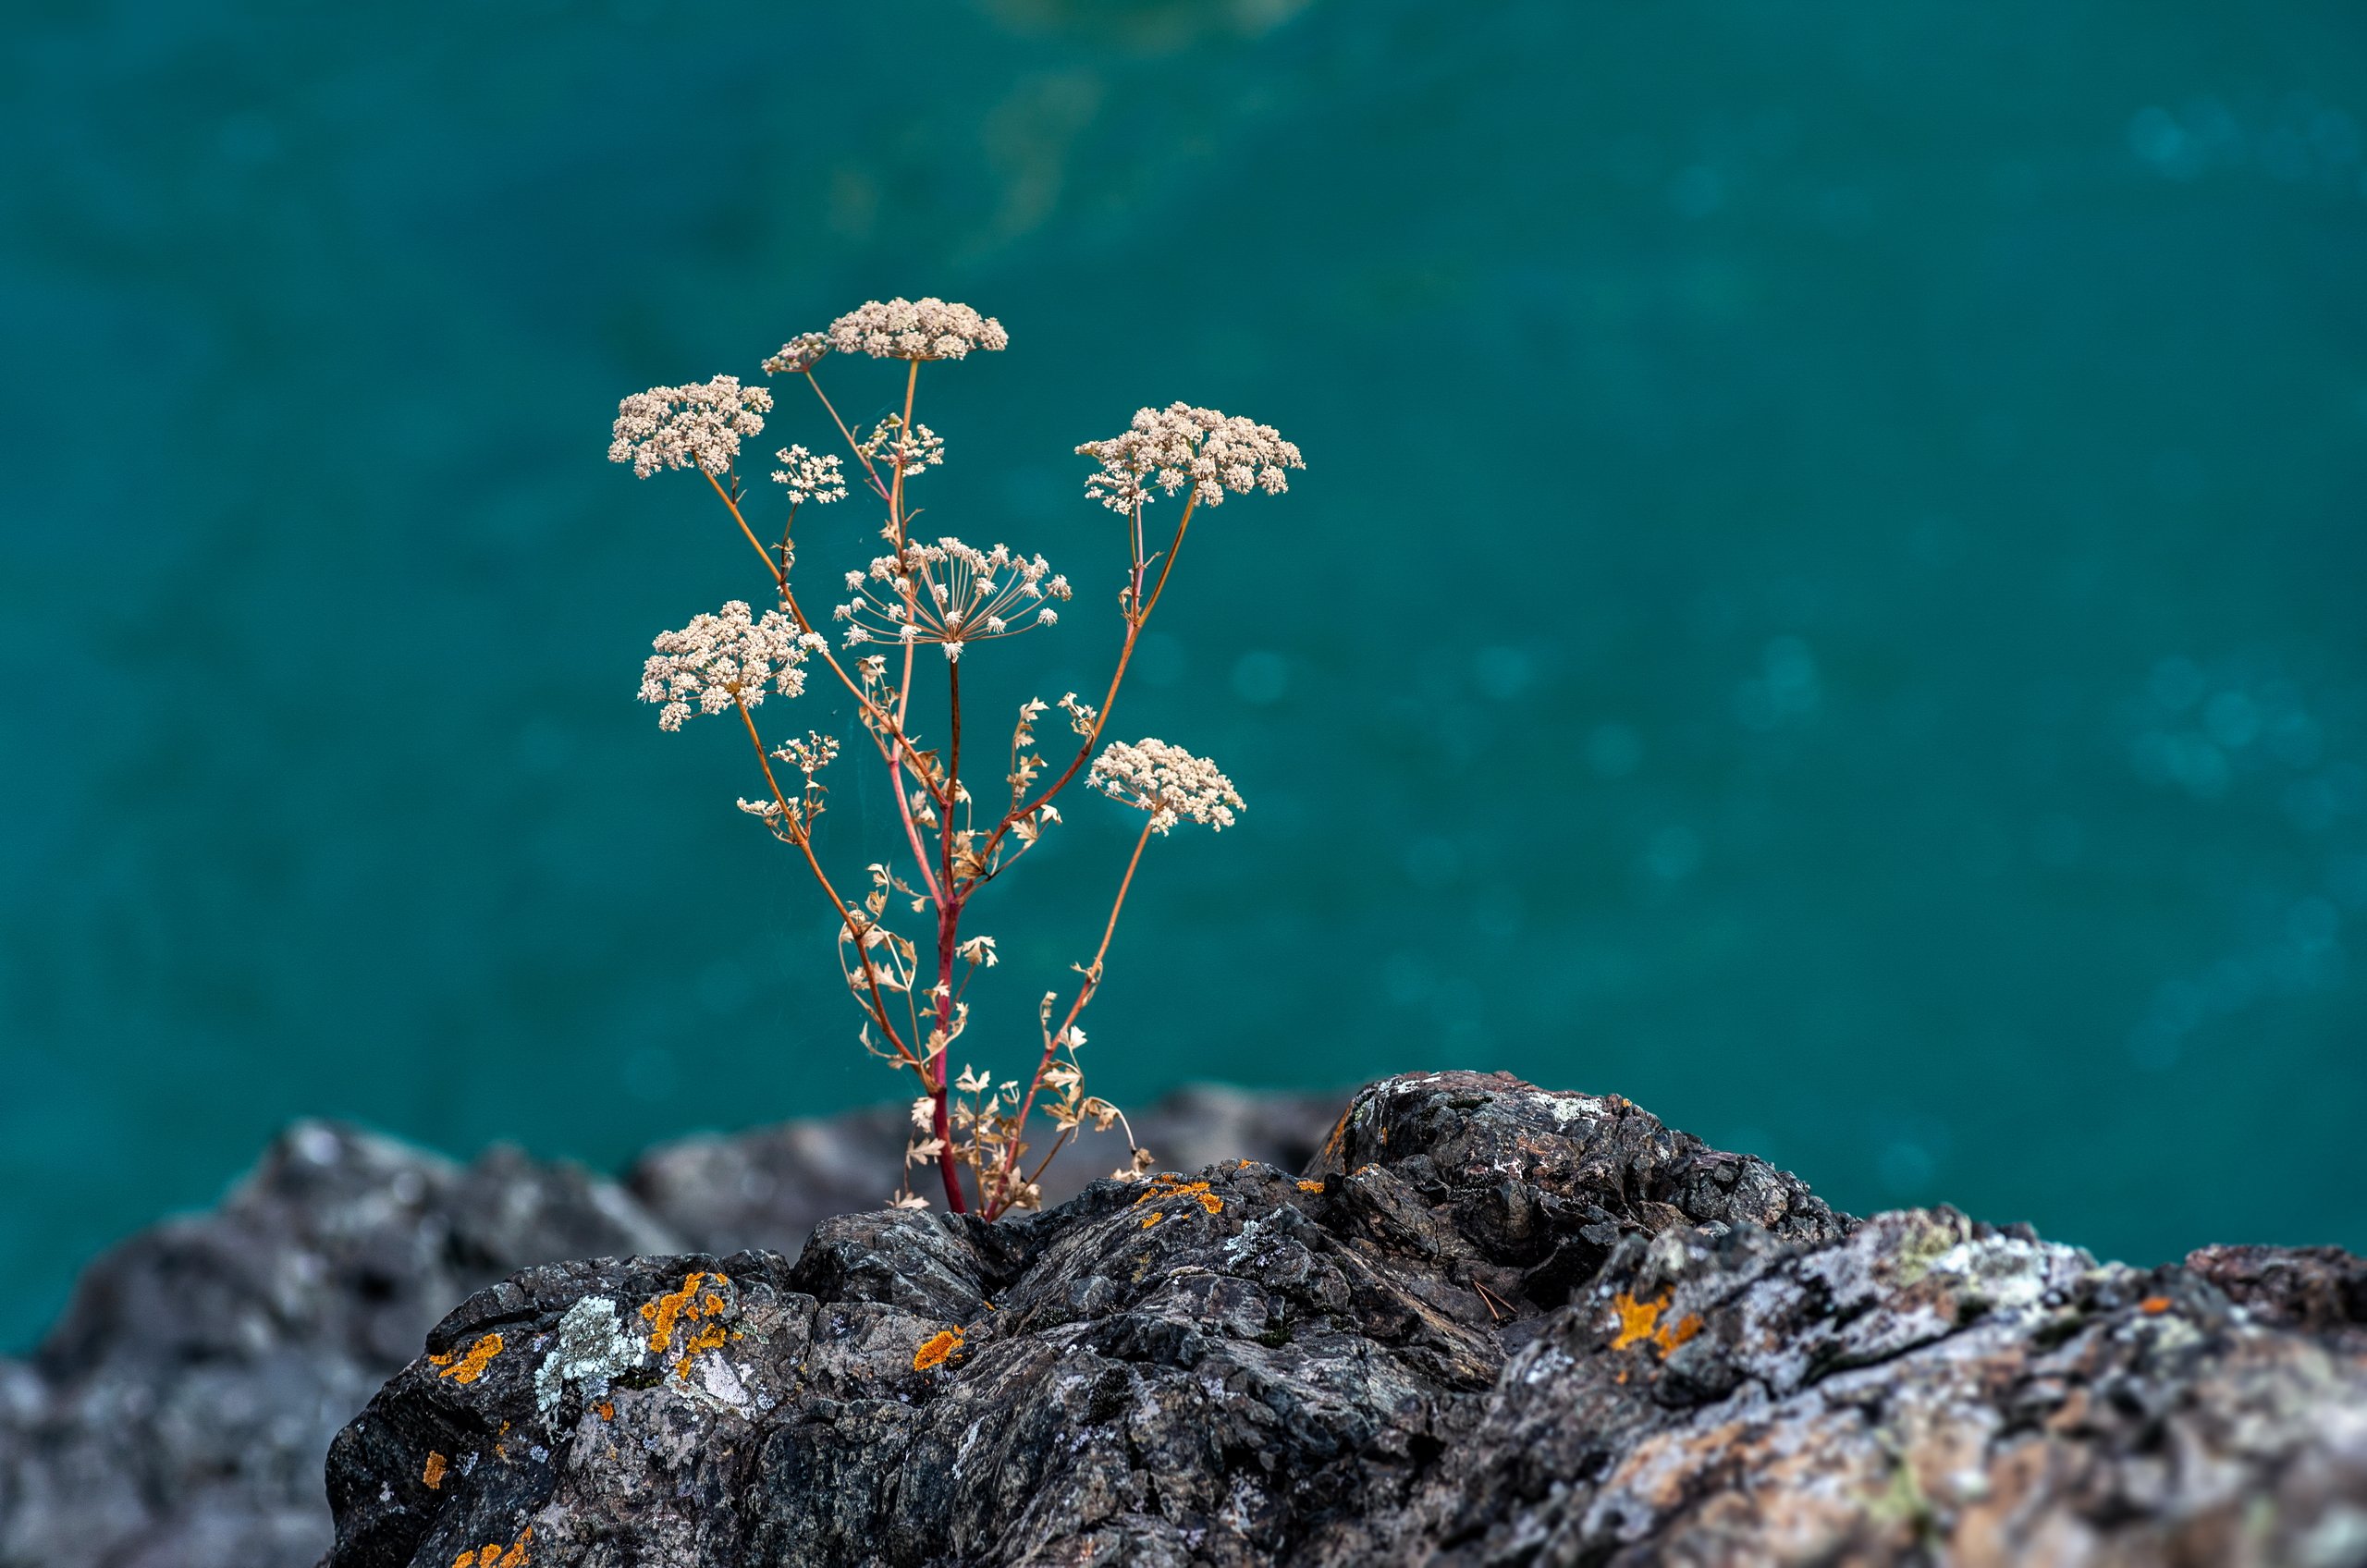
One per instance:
(699, 422)
(949, 593)
(1167, 782)
(722, 659)
(799, 354)
(1180, 445)
(922, 448)
(915, 329)
(810, 755)
(810, 478)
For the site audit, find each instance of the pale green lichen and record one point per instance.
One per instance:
(593, 1351)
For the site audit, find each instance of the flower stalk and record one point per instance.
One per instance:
(957, 598)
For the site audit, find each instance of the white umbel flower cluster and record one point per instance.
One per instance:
(719, 659)
(799, 354)
(949, 593)
(913, 329)
(698, 423)
(1167, 782)
(1180, 445)
(810, 478)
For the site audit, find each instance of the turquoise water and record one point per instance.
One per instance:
(1825, 596)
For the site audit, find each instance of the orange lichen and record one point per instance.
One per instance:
(445, 1360)
(1153, 1218)
(1310, 1186)
(937, 1349)
(714, 1304)
(432, 1476)
(1175, 1187)
(608, 1412)
(667, 1309)
(1639, 1323)
(490, 1555)
(1339, 1131)
(706, 1338)
(2154, 1304)
(470, 1368)
(1637, 1319)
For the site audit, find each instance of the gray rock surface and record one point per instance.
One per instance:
(768, 1187)
(1488, 1325)
(177, 1414)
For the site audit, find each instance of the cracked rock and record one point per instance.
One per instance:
(1484, 1324)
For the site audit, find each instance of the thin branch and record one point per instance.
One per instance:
(805, 846)
(1084, 992)
(1134, 624)
(780, 578)
(804, 625)
(852, 444)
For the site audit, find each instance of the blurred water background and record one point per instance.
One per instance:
(1825, 596)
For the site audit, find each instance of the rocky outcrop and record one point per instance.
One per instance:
(177, 1414)
(1486, 1324)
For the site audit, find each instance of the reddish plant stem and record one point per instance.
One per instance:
(949, 936)
(936, 1070)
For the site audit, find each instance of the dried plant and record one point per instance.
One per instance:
(940, 593)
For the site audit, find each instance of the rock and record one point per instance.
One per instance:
(172, 1417)
(1487, 1324)
(177, 1414)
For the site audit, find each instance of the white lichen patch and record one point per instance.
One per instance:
(593, 1349)
(721, 1381)
(2006, 1274)
(1566, 1109)
(1541, 1364)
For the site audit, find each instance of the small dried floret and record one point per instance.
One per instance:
(1180, 446)
(915, 329)
(719, 659)
(810, 478)
(1167, 782)
(698, 423)
(798, 354)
